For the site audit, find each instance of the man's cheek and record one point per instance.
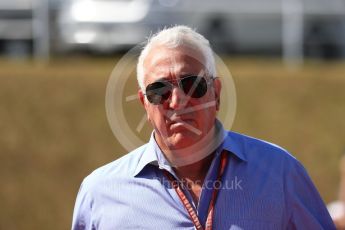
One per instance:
(164, 129)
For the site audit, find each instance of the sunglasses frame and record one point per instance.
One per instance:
(178, 83)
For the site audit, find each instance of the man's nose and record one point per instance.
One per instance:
(178, 99)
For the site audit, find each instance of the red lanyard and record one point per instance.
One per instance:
(192, 214)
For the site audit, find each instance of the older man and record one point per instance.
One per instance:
(192, 174)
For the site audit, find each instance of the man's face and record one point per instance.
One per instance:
(180, 121)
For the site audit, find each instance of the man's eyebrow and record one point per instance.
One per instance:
(188, 75)
(163, 79)
(170, 79)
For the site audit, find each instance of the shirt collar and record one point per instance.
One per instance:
(153, 154)
(232, 145)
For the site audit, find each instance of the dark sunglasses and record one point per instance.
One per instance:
(160, 91)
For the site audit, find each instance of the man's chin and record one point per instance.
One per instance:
(181, 140)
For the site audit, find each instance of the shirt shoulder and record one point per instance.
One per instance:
(253, 148)
(281, 177)
(262, 157)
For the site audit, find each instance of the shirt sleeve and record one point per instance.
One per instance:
(82, 210)
(304, 204)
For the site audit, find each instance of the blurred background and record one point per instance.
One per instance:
(286, 58)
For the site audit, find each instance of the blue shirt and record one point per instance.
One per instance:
(263, 187)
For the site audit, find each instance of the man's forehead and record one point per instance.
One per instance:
(170, 56)
(162, 61)
(176, 71)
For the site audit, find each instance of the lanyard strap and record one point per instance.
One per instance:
(192, 214)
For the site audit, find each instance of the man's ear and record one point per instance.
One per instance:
(217, 89)
(141, 97)
(143, 102)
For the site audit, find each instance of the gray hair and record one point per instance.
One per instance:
(175, 37)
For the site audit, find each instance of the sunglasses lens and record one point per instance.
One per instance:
(158, 92)
(194, 86)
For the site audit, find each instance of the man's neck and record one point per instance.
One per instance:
(195, 172)
(193, 176)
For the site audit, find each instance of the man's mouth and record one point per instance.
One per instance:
(187, 124)
(182, 122)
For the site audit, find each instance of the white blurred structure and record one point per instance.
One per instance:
(41, 30)
(24, 28)
(16, 26)
(292, 28)
(337, 208)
